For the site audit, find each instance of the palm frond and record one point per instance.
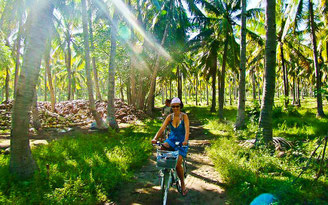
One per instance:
(255, 37)
(194, 10)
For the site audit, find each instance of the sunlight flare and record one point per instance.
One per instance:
(131, 19)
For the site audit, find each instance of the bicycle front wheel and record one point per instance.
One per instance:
(165, 185)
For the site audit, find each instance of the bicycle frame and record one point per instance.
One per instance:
(168, 178)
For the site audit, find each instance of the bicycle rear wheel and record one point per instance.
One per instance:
(165, 185)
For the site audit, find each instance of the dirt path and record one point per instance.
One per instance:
(202, 181)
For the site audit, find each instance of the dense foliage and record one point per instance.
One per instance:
(83, 168)
(249, 172)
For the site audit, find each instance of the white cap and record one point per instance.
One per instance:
(175, 100)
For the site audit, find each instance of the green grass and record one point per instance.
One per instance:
(84, 169)
(250, 172)
(91, 169)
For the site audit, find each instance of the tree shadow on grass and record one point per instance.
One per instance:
(145, 187)
(146, 190)
(284, 190)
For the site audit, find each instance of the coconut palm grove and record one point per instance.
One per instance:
(83, 84)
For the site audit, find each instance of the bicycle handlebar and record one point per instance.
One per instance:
(179, 144)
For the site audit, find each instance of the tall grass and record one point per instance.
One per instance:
(84, 169)
(250, 172)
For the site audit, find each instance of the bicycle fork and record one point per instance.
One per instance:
(169, 178)
(166, 179)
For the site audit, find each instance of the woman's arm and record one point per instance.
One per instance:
(161, 130)
(186, 121)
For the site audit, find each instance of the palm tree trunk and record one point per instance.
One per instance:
(222, 80)
(22, 163)
(320, 112)
(189, 92)
(133, 91)
(230, 93)
(94, 66)
(327, 46)
(35, 113)
(45, 86)
(259, 90)
(48, 71)
(154, 74)
(18, 48)
(214, 64)
(99, 121)
(128, 92)
(170, 89)
(200, 93)
(285, 75)
(206, 92)
(240, 123)
(165, 88)
(121, 89)
(2, 94)
(140, 99)
(179, 82)
(186, 93)
(253, 85)
(163, 96)
(294, 89)
(152, 105)
(139, 94)
(7, 84)
(69, 64)
(298, 90)
(133, 80)
(196, 89)
(269, 76)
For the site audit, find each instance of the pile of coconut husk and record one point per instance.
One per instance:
(73, 113)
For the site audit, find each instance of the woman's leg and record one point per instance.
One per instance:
(181, 174)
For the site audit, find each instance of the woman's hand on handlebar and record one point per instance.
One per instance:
(184, 143)
(153, 141)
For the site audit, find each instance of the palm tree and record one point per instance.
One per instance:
(111, 75)
(47, 58)
(294, 20)
(99, 121)
(94, 66)
(220, 16)
(69, 19)
(153, 77)
(208, 63)
(14, 12)
(281, 38)
(18, 42)
(320, 112)
(5, 63)
(240, 122)
(265, 124)
(21, 160)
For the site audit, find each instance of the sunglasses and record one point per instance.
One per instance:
(175, 106)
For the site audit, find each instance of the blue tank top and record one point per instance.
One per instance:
(177, 134)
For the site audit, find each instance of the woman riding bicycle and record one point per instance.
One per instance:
(179, 125)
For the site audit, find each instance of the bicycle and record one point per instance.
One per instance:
(167, 161)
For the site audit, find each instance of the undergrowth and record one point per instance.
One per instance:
(84, 169)
(248, 172)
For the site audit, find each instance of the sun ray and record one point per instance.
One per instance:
(131, 19)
